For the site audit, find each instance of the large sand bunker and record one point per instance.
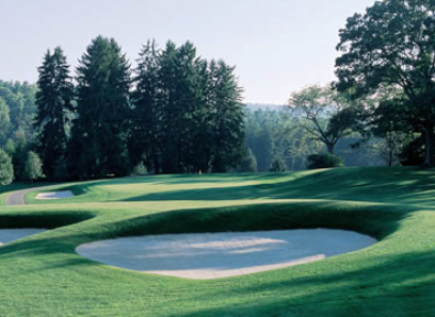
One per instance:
(55, 195)
(217, 255)
(9, 235)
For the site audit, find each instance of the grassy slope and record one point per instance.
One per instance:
(42, 275)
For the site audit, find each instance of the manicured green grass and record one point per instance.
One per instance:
(43, 276)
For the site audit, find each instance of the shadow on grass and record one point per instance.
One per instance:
(390, 285)
(46, 220)
(391, 185)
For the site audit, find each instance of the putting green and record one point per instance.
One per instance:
(42, 275)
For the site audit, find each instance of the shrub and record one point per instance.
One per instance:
(248, 163)
(139, 170)
(324, 161)
(33, 167)
(278, 165)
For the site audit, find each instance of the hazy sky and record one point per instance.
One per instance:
(278, 46)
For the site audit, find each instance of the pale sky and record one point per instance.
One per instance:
(277, 46)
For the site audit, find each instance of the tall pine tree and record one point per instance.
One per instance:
(146, 130)
(187, 112)
(53, 99)
(229, 119)
(99, 143)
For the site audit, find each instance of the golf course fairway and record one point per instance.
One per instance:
(42, 274)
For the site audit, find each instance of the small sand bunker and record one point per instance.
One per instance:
(55, 195)
(9, 235)
(217, 255)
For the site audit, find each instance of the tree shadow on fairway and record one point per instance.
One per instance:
(407, 185)
(181, 179)
(388, 285)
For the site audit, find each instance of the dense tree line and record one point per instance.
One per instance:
(187, 112)
(175, 113)
(178, 113)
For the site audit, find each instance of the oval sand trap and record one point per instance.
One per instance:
(9, 235)
(55, 195)
(217, 255)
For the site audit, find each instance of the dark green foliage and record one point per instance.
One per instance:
(326, 160)
(6, 169)
(412, 153)
(278, 165)
(53, 98)
(99, 137)
(228, 133)
(186, 115)
(392, 45)
(146, 131)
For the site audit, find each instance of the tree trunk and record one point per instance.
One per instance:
(390, 158)
(331, 147)
(429, 140)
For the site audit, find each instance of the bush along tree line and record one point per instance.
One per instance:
(175, 113)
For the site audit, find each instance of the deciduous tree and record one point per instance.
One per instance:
(392, 44)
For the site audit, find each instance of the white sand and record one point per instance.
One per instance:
(55, 195)
(9, 235)
(209, 256)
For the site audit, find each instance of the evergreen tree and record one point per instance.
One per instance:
(55, 92)
(99, 145)
(187, 116)
(146, 130)
(6, 169)
(229, 119)
(178, 79)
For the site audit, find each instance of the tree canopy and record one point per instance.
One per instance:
(392, 44)
(314, 105)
